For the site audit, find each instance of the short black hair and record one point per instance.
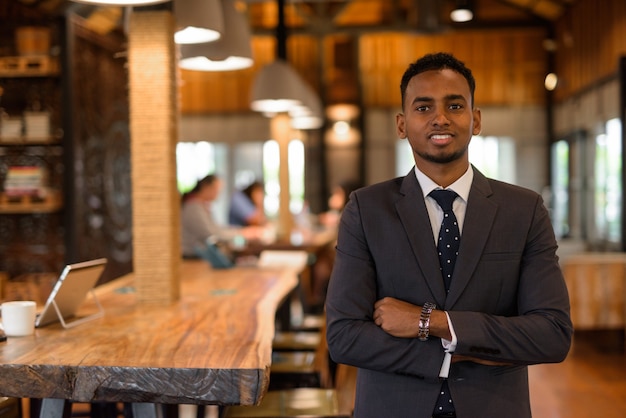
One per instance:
(437, 61)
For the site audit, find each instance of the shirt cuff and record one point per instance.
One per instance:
(449, 346)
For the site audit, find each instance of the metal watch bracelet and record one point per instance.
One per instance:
(424, 322)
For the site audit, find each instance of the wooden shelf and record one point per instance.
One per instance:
(29, 140)
(29, 66)
(51, 202)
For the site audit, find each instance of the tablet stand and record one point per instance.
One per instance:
(79, 320)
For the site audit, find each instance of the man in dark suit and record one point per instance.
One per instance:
(389, 310)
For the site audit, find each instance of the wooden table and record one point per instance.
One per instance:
(309, 240)
(213, 346)
(597, 288)
(317, 242)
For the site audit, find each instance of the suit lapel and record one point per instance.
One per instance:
(414, 217)
(479, 217)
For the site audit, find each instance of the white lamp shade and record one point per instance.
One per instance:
(461, 15)
(462, 11)
(233, 51)
(121, 2)
(277, 88)
(308, 114)
(198, 21)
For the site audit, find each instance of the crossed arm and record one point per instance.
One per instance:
(401, 319)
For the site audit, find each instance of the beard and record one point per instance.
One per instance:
(443, 158)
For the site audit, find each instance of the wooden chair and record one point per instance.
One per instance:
(337, 402)
(334, 396)
(302, 368)
(296, 340)
(309, 322)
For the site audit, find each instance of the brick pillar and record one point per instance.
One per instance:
(153, 75)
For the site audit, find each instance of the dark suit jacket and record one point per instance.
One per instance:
(507, 302)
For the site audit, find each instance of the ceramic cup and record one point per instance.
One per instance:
(18, 318)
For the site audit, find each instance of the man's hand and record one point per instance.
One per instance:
(397, 318)
(401, 319)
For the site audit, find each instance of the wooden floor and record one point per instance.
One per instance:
(590, 383)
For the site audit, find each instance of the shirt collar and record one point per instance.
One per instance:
(461, 186)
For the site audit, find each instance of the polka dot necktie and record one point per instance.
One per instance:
(449, 235)
(448, 249)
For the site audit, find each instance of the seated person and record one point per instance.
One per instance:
(197, 223)
(246, 206)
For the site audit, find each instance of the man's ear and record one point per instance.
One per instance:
(401, 125)
(477, 121)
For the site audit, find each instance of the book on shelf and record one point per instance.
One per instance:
(25, 181)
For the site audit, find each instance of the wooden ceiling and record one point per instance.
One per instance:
(323, 16)
(327, 16)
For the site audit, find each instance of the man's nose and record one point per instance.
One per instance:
(440, 119)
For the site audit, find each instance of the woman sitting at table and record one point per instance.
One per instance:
(197, 223)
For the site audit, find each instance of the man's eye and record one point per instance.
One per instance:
(456, 106)
(422, 108)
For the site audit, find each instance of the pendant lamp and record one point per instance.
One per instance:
(198, 21)
(462, 11)
(233, 51)
(277, 88)
(307, 115)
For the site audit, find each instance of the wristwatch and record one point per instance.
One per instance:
(424, 323)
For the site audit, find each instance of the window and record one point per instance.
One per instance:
(560, 188)
(250, 161)
(271, 171)
(195, 160)
(608, 183)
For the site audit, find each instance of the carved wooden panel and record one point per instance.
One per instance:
(99, 195)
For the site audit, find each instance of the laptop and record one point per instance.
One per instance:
(70, 291)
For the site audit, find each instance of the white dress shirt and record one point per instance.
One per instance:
(462, 188)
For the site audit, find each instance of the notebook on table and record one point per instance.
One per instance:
(69, 292)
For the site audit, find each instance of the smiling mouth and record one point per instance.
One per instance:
(441, 139)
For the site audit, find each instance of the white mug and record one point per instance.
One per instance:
(18, 318)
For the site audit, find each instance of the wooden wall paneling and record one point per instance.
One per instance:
(620, 27)
(190, 95)
(591, 35)
(508, 65)
(205, 92)
(340, 69)
(373, 78)
(304, 54)
(219, 96)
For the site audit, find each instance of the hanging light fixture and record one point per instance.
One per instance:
(307, 115)
(232, 51)
(121, 2)
(463, 11)
(198, 21)
(277, 88)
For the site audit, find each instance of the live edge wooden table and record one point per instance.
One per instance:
(213, 346)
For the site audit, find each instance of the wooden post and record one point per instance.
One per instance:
(281, 131)
(153, 124)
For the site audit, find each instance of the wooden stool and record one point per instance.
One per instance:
(337, 402)
(10, 407)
